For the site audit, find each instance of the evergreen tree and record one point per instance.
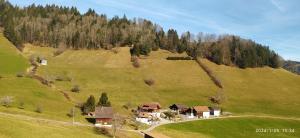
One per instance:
(103, 100)
(89, 105)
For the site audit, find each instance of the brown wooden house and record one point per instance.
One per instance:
(103, 116)
(149, 107)
(180, 108)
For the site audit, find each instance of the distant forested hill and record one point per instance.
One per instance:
(58, 27)
(293, 66)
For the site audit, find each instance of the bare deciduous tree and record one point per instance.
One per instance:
(7, 101)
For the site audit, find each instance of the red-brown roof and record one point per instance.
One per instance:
(201, 108)
(103, 112)
(153, 106)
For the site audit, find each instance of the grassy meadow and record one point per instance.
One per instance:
(231, 128)
(11, 60)
(14, 128)
(105, 71)
(23, 90)
(259, 90)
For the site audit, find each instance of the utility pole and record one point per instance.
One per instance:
(73, 114)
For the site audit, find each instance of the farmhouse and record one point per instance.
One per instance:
(199, 111)
(147, 113)
(215, 111)
(144, 117)
(103, 116)
(149, 107)
(180, 108)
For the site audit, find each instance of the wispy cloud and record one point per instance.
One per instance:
(276, 4)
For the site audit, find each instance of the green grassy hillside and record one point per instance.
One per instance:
(14, 128)
(25, 90)
(11, 60)
(104, 71)
(248, 91)
(231, 128)
(259, 90)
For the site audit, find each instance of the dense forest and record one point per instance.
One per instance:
(65, 27)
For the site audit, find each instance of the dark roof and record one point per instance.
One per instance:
(180, 106)
(103, 112)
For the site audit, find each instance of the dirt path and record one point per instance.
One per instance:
(55, 122)
(64, 123)
(32, 72)
(43, 120)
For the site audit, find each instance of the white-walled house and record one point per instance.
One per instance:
(201, 111)
(43, 62)
(214, 111)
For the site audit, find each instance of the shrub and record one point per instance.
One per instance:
(7, 101)
(21, 105)
(102, 131)
(39, 109)
(115, 50)
(71, 113)
(169, 114)
(58, 52)
(149, 82)
(20, 74)
(135, 62)
(75, 89)
(128, 105)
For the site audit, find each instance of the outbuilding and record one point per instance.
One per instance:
(201, 111)
(215, 111)
(103, 116)
(43, 62)
(180, 108)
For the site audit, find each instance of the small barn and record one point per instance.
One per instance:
(215, 111)
(43, 62)
(200, 111)
(103, 116)
(180, 108)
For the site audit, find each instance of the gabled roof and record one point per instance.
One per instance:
(180, 106)
(103, 112)
(201, 108)
(153, 105)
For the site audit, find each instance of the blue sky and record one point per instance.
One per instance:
(275, 23)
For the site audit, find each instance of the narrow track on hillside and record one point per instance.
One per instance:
(141, 132)
(32, 72)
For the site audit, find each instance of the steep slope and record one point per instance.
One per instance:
(248, 91)
(27, 92)
(104, 71)
(11, 60)
(259, 90)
